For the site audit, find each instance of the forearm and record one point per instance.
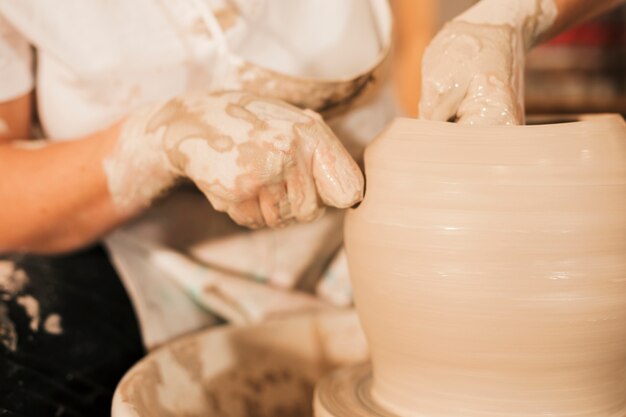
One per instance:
(572, 12)
(55, 198)
(538, 20)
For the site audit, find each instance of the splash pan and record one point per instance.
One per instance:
(268, 369)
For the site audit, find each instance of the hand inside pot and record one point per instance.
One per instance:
(473, 68)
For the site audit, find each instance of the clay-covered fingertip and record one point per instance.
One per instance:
(349, 193)
(344, 200)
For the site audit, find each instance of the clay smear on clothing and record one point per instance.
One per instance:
(52, 324)
(472, 73)
(8, 335)
(13, 281)
(31, 306)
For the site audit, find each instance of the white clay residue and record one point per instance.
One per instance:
(31, 306)
(12, 283)
(262, 161)
(8, 336)
(473, 69)
(12, 280)
(52, 324)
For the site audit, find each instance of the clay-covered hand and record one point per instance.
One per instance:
(473, 69)
(261, 160)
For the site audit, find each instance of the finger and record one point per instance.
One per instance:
(275, 205)
(490, 101)
(445, 75)
(338, 179)
(442, 93)
(440, 100)
(302, 193)
(247, 213)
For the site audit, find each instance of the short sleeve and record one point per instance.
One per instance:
(16, 72)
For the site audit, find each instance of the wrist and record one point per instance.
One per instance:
(531, 18)
(137, 168)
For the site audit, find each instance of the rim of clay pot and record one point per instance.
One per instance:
(534, 122)
(555, 127)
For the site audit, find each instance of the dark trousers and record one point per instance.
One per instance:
(73, 373)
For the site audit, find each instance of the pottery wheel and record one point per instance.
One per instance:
(347, 393)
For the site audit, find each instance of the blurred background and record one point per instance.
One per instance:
(583, 70)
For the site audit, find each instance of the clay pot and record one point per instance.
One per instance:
(489, 268)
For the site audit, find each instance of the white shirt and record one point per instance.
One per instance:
(99, 59)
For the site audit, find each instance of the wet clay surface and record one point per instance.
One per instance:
(488, 268)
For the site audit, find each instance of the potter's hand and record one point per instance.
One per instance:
(472, 74)
(473, 69)
(262, 161)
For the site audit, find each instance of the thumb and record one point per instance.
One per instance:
(337, 176)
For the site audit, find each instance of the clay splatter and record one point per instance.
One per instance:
(12, 280)
(8, 336)
(52, 325)
(31, 305)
